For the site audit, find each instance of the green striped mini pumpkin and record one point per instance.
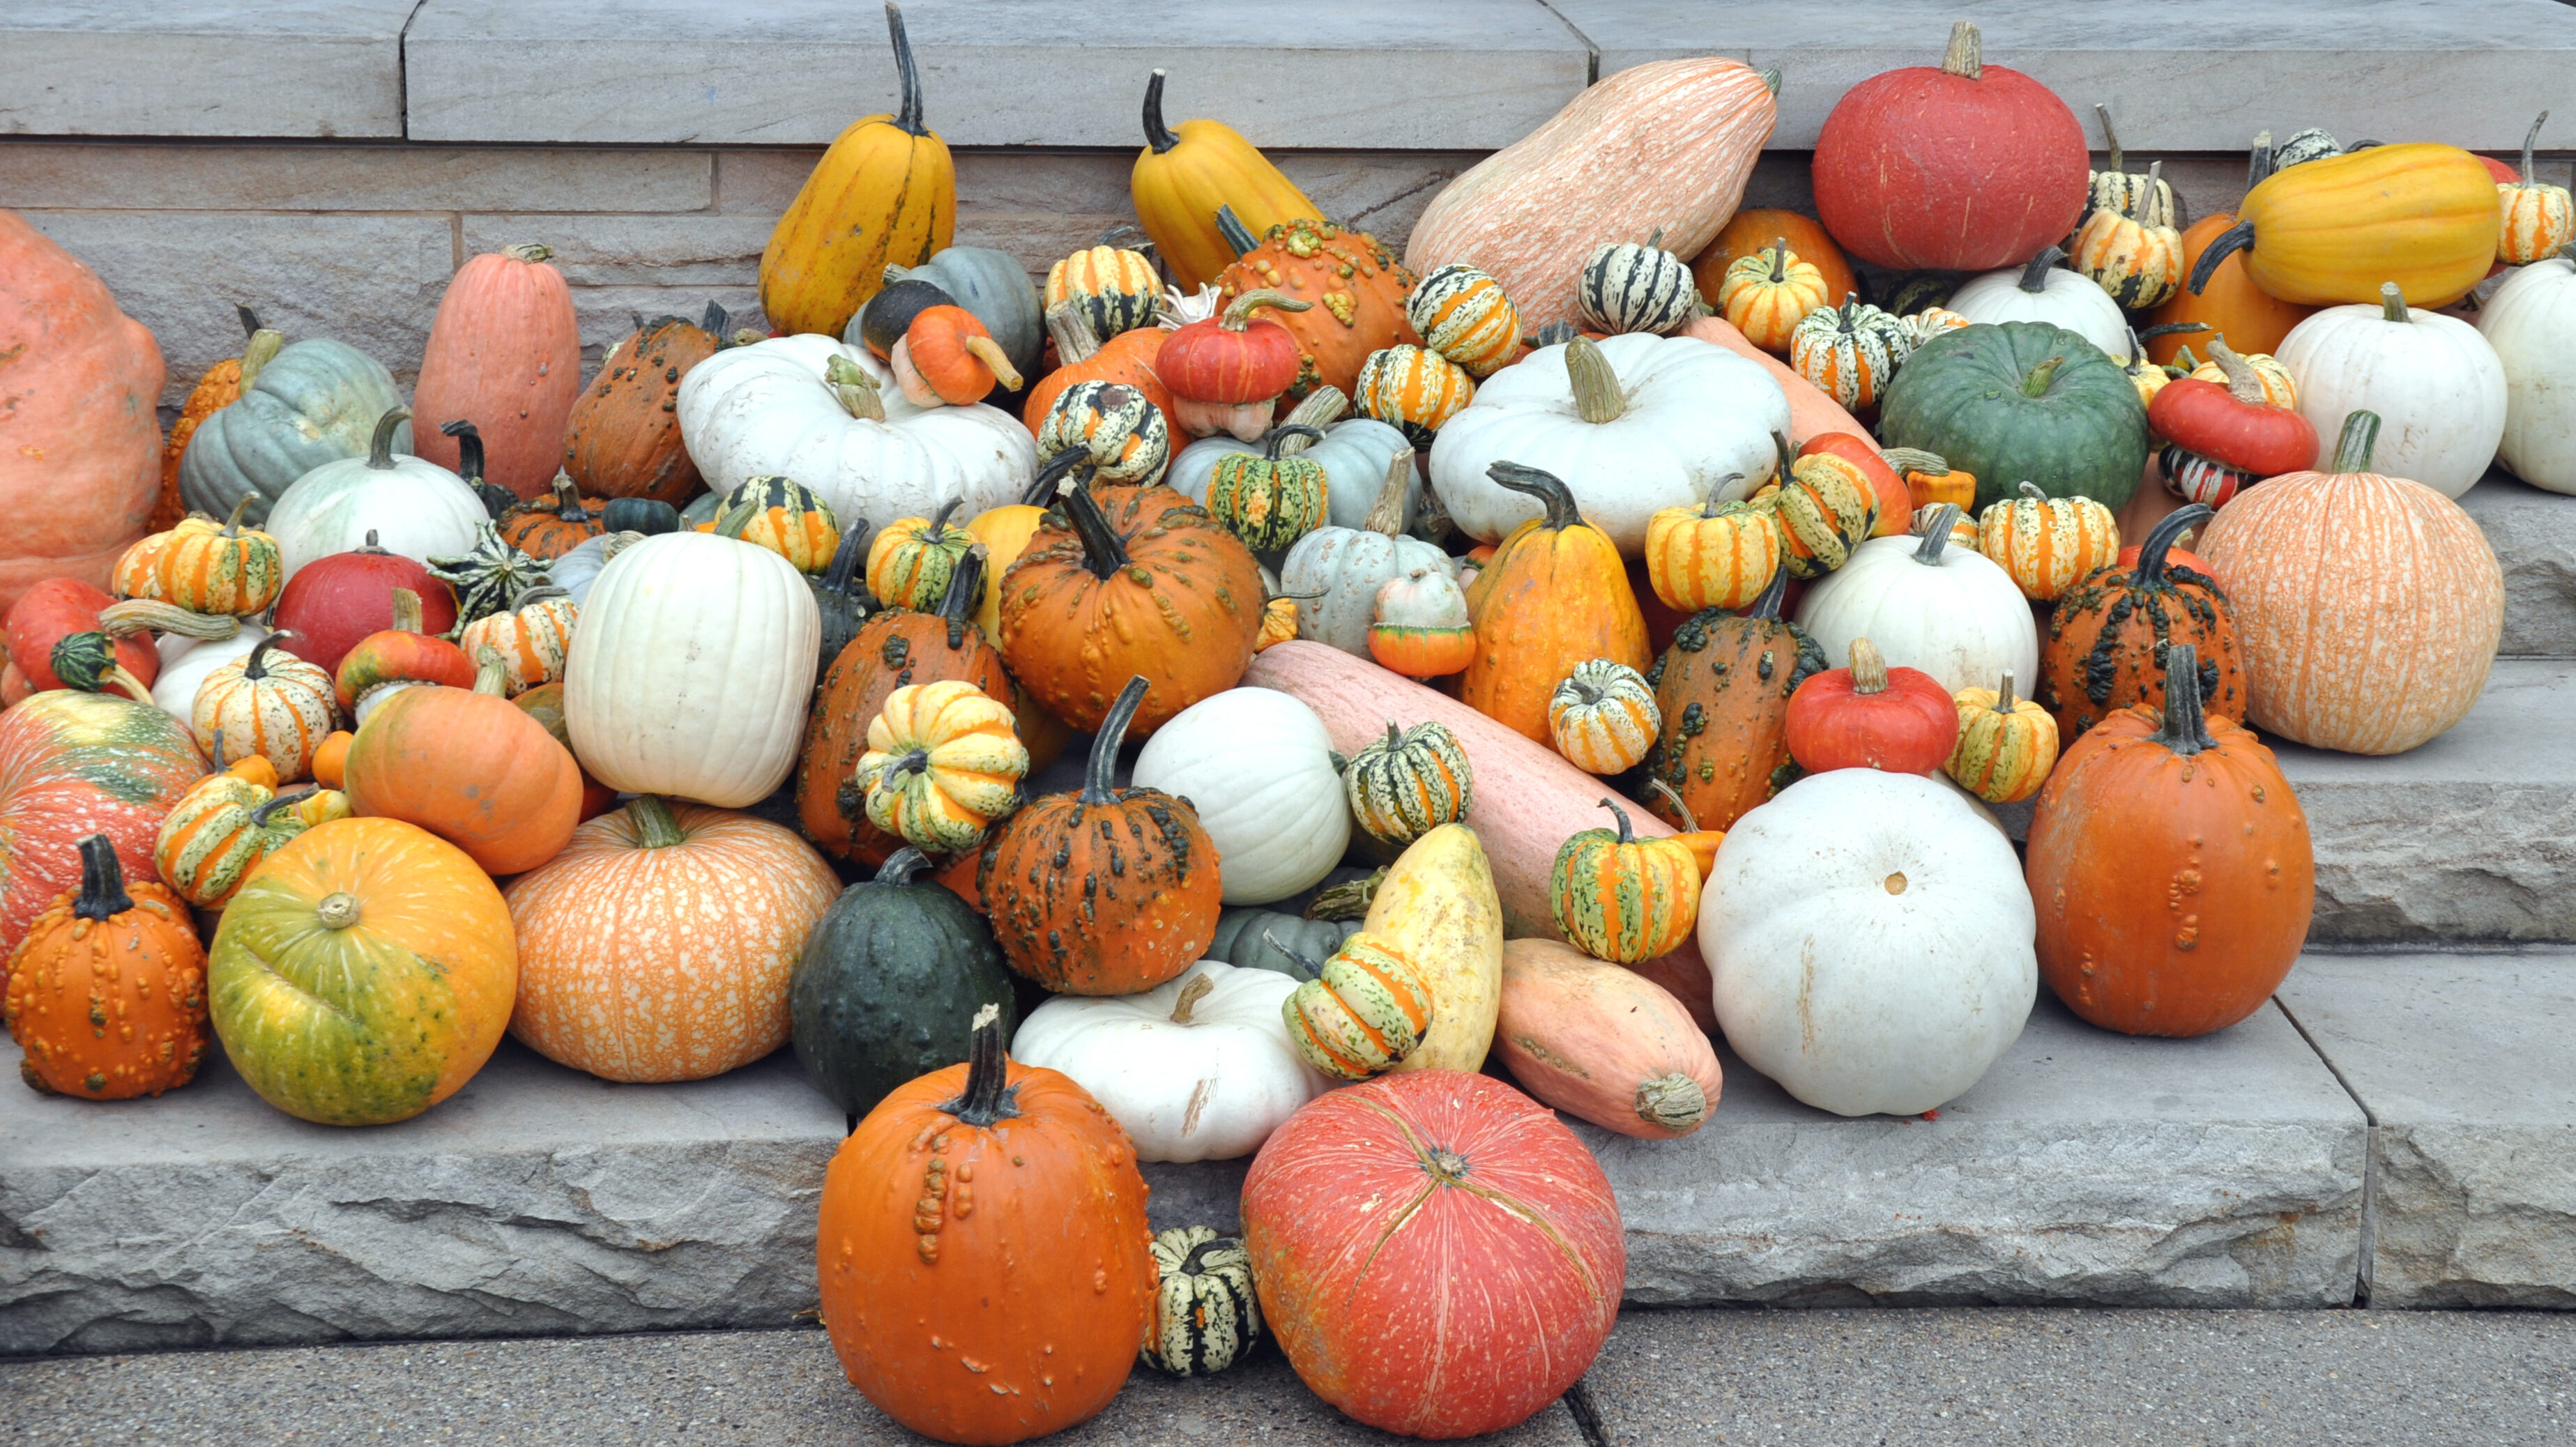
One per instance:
(1410, 782)
(784, 516)
(1631, 288)
(1205, 1313)
(1621, 898)
(488, 575)
(1367, 1008)
(1268, 500)
(1463, 315)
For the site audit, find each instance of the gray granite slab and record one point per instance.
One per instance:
(2468, 1066)
(2534, 536)
(1464, 73)
(202, 67)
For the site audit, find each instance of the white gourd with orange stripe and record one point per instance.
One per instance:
(270, 703)
(532, 637)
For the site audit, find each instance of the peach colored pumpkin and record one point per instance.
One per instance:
(659, 944)
(504, 354)
(80, 436)
(1602, 1042)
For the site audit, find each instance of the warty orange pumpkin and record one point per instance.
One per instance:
(1355, 288)
(107, 993)
(622, 438)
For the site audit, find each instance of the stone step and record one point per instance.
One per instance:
(2534, 536)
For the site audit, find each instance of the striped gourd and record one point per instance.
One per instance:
(943, 762)
(531, 639)
(2534, 218)
(205, 566)
(218, 831)
(1366, 1009)
(912, 559)
(784, 516)
(1928, 323)
(1110, 289)
(2047, 543)
(1631, 288)
(1850, 352)
(1268, 500)
(1963, 529)
(2006, 745)
(1412, 389)
(1205, 1314)
(1410, 782)
(2117, 190)
(1108, 433)
(1603, 718)
(1621, 898)
(1463, 315)
(2280, 389)
(1824, 509)
(271, 704)
(1719, 556)
(487, 575)
(1766, 293)
(2138, 262)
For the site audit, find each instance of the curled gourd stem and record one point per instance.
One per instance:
(469, 454)
(989, 352)
(150, 615)
(1051, 473)
(2160, 541)
(2185, 729)
(1272, 440)
(1547, 487)
(1936, 534)
(1717, 497)
(2243, 382)
(1314, 968)
(1157, 135)
(259, 816)
(908, 117)
(1238, 315)
(1627, 833)
(1673, 796)
(1966, 55)
(987, 1097)
(1786, 471)
(855, 389)
(1597, 396)
(380, 448)
(2392, 302)
(901, 866)
(1868, 667)
(1193, 992)
(1915, 459)
(1100, 771)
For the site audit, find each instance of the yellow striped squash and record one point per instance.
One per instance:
(2047, 543)
(2006, 745)
(271, 704)
(1719, 556)
(206, 566)
(1766, 294)
(1365, 1010)
(786, 517)
(944, 760)
(217, 832)
(1412, 389)
(1621, 898)
(1109, 289)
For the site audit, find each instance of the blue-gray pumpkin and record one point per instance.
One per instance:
(315, 402)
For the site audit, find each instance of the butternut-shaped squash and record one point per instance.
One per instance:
(1437, 908)
(1602, 1042)
(2321, 232)
(1186, 173)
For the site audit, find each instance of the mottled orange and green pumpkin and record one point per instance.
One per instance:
(107, 993)
(74, 764)
(1723, 689)
(1621, 898)
(2106, 640)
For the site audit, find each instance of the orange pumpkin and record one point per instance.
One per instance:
(947, 358)
(623, 436)
(1127, 358)
(551, 527)
(470, 768)
(1754, 229)
(107, 993)
(986, 1266)
(81, 434)
(1554, 595)
(1356, 290)
(504, 354)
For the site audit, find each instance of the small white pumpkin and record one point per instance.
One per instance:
(1354, 455)
(1258, 766)
(1869, 936)
(1927, 604)
(415, 508)
(1335, 572)
(1662, 424)
(2528, 322)
(186, 663)
(2437, 385)
(693, 669)
(829, 416)
(2043, 291)
(1199, 1068)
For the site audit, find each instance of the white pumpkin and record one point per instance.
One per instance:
(1949, 611)
(2528, 322)
(766, 410)
(2043, 291)
(185, 663)
(1355, 455)
(1335, 572)
(2435, 382)
(1869, 937)
(1258, 766)
(1688, 415)
(1208, 1080)
(415, 507)
(693, 669)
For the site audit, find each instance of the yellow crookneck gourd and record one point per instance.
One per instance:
(884, 195)
(1181, 179)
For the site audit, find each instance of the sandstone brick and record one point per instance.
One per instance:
(288, 68)
(657, 251)
(284, 176)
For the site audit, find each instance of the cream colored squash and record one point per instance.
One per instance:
(1949, 611)
(1258, 766)
(2530, 322)
(414, 507)
(1870, 942)
(2045, 292)
(2436, 384)
(1437, 907)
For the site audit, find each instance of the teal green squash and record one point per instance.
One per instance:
(702, 509)
(890, 983)
(2022, 401)
(315, 402)
(1240, 940)
(638, 515)
(995, 288)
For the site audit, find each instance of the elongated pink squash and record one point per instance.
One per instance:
(1604, 1043)
(1662, 146)
(504, 354)
(1527, 799)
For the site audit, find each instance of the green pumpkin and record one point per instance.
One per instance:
(638, 515)
(1268, 500)
(890, 983)
(2022, 402)
(1243, 937)
(1205, 1313)
(993, 287)
(314, 402)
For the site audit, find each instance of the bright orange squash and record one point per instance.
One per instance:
(470, 767)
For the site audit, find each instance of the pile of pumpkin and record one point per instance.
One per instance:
(1402, 574)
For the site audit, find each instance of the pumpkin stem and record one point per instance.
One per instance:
(2110, 137)
(1673, 796)
(1627, 835)
(568, 506)
(1271, 440)
(1868, 667)
(250, 319)
(1717, 497)
(150, 615)
(907, 117)
(901, 866)
(1547, 487)
(1766, 604)
(1936, 534)
(469, 452)
(2530, 138)
(406, 611)
(102, 888)
(256, 666)
(1157, 135)
(1101, 770)
(232, 522)
(2036, 384)
(965, 592)
(2150, 571)
(2034, 273)
(845, 560)
(1672, 1102)
(1237, 235)
(2360, 435)
(855, 389)
(87, 662)
(1074, 340)
(2185, 729)
(1052, 472)
(989, 1097)
(2225, 244)
(1769, 75)
(2243, 382)
(1915, 459)
(654, 826)
(984, 349)
(1313, 967)
(1238, 315)
(1321, 408)
(2138, 198)
(1779, 260)
(1966, 55)
(338, 910)
(259, 351)
(1193, 992)
(380, 448)
(1386, 513)
(530, 252)
(2392, 302)
(2004, 694)
(2258, 161)
(1597, 396)
(491, 672)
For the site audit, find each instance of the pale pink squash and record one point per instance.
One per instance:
(1811, 412)
(504, 354)
(1603, 1043)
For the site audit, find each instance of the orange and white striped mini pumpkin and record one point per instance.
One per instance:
(271, 704)
(1767, 293)
(2534, 218)
(1603, 717)
(1718, 556)
(1412, 389)
(2047, 543)
(205, 566)
(1850, 352)
(532, 638)
(1463, 315)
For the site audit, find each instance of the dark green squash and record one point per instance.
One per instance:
(639, 515)
(889, 314)
(841, 594)
(496, 500)
(890, 983)
(1240, 940)
(488, 575)
(2021, 402)
(1918, 291)
(1724, 687)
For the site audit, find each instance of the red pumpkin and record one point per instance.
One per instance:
(80, 433)
(1959, 167)
(504, 354)
(1872, 716)
(1437, 1254)
(52, 611)
(333, 602)
(1225, 371)
(74, 764)
(2221, 440)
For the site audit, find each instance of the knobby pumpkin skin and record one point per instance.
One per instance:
(2172, 870)
(1449, 1204)
(2108, 635)
(75, 764)
(1354, 285)
(987, 1216)
(363, 974)
(623, 436)
(107, 993)
(658, 945)
(1724, 689)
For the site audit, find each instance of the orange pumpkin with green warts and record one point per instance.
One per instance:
(1554, 595)
(107, 994)
(623, 439)
(469, 767)
(1004, 1207)
(2108, 634)
(551, 527)
(1723, 689)
(1356, 288)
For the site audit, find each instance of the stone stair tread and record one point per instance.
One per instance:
(2522, 732)
(202, 68)
(2533, 533)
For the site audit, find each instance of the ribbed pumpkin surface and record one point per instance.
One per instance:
(76, 764)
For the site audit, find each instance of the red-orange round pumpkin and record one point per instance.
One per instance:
(1438, 1255)
(504, 354)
